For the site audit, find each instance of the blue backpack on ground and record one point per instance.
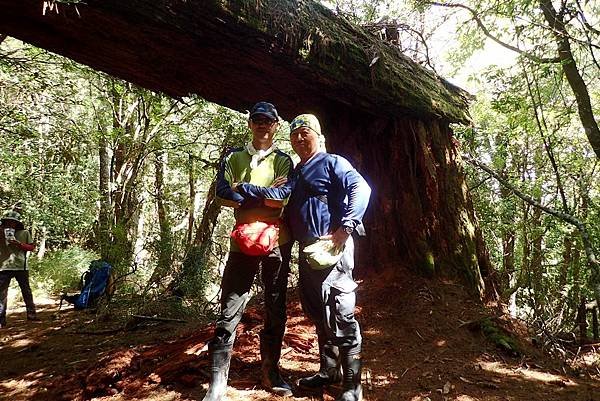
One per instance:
(94, 283)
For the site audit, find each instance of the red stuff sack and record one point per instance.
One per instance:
(257, 238)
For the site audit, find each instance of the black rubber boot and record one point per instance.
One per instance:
(220, 358)
(271, 378)
(329, 370)
(351, 367)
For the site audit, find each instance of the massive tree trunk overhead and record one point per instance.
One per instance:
(387, 114)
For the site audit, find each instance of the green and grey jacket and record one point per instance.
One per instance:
(237, 167)
(11, 256)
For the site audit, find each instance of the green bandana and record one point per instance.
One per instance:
(306, 120)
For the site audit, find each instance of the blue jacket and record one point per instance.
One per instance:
(326, 193)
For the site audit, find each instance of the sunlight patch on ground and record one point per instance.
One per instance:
(157, 394)
(497, 367)
(384, 380)
(197, 349)
(257, 395)
(21, 343)
(372, 332)
(11, 388)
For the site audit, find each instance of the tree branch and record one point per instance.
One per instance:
(486, 32)
(561, 215)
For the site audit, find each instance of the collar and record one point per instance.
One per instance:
(320, 152)
(258, 154)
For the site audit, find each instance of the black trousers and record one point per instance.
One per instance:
(22, 277)
(238, 277)
(328, 299)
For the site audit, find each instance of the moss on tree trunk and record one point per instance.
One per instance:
(387, 114)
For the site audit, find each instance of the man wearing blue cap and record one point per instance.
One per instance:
(260, 241)
(327, 203)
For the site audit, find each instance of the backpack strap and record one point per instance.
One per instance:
(308, 188)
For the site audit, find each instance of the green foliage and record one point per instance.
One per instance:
(60, 271)
(57, 115)
(500, 337)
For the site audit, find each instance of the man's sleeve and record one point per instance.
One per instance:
(357, 190)
(283, 168)
(226, 195)
(256, 192)
(27, 244)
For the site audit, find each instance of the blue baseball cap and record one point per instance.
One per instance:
(265, 109)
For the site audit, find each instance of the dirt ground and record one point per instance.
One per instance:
(418, 346)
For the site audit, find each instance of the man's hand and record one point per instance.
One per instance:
(21, 245)
(279, 182)
(339, 237)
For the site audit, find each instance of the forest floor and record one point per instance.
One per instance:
(418, 346)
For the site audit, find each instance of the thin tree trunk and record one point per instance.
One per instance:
(165, 241)
(195, 267)
(41, 248)
(569, 66)
(105, 215)
(192, 203)
(508, 245)
(536, 268)
(567, 262)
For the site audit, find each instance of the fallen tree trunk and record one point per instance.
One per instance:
(231, 51)
(387, 114)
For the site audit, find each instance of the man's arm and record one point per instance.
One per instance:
(255, 192)
(22, 246)
(26, 244)
(358, 194)
(226, 195)
(279, 191)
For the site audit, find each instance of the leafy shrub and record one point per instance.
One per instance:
(61, 270)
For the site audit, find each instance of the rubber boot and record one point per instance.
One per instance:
(329, 370)
(220, 358)
(351, 367)
(271, 378)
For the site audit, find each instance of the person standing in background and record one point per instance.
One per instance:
(15, 242)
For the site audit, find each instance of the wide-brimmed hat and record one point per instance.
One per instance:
(14, 216)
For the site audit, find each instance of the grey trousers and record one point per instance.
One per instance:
(237, 281)
(328, 299)
(22, 277)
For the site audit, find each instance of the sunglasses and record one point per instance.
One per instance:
(262, 121)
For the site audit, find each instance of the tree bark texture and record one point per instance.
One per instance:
(420, 214)
(387, 114)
